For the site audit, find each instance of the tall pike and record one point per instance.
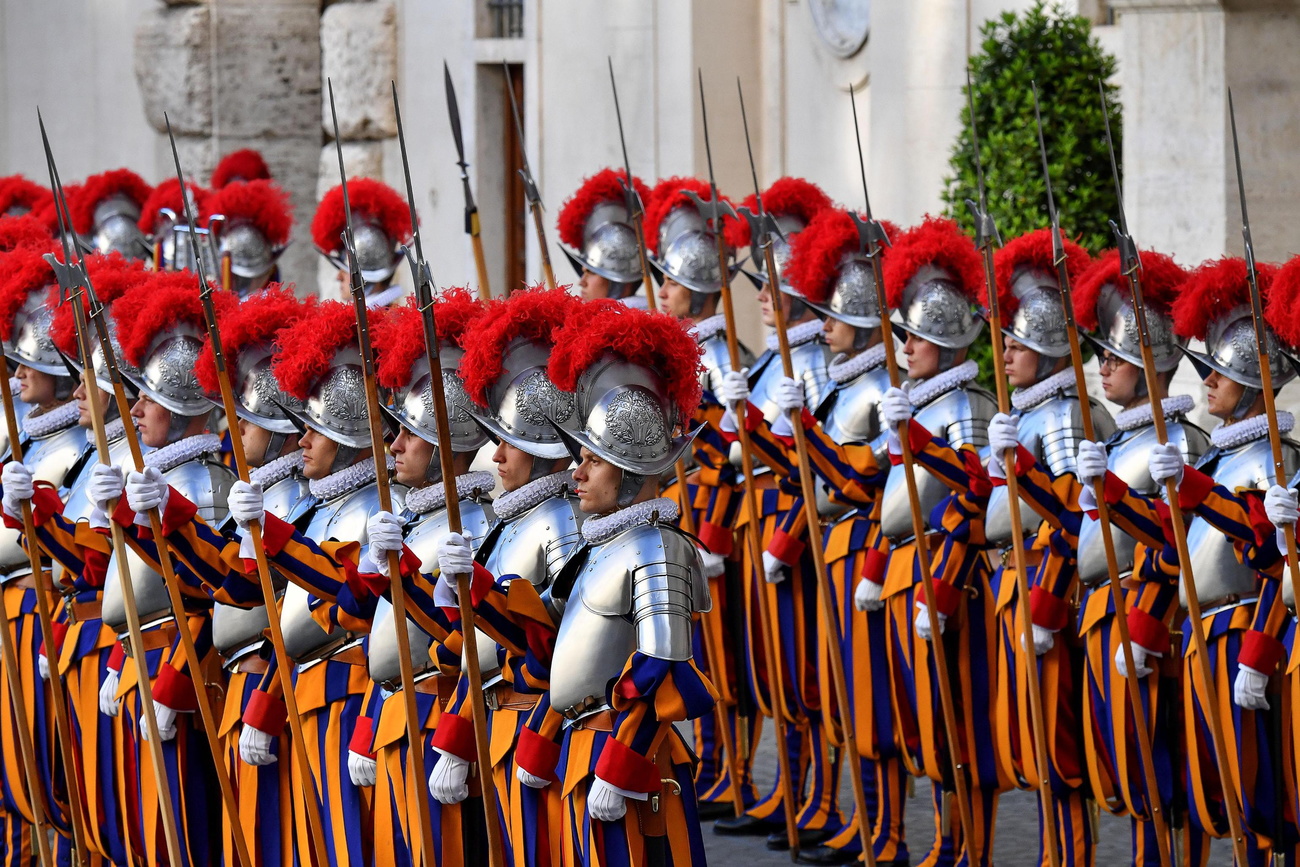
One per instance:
(530, 185)
(472, 227)
(635, 207)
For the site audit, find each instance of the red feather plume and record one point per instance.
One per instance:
(163, 300)
(22, 231)
(787, 196)
(1282, 307)
(1212, 289)
(535, 314)
(240, 165)
(1162, 278)
(99, 187)
(255, 320)
(168, 195)
(18, 191)
(816, 252)
(653, 340)
(399, 332)
(606, 185)
(936, 241)
(262, 203)
(1033, 250)
(305, 352)
(24, 271)
(48, 214)
(370, 199)
(112, 276)
(667, 195)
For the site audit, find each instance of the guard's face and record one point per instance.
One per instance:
(1019, 362)
(413, 455)
(1222, 394)
(84, 407)
(255, 440)
(593, 286)
(1119, 379)
(153, 421)
(840, 336)
(514, 465)
(598, 482)
(35, 387)
(765, 305)
(674, 299)
(318, 453)
(922, 357)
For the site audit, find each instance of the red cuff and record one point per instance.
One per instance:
(1193, 489)
(1260, 651)
(753, 417)
(874, 565)
(45, 502)
(1024, 463)
(276, 533)
(1048, 610)
(946, 597)
(455, 735)
(60, 630)
(117, 657)
(537, 755)
(621, 766)
(480, 584)
(785, 547)
(809, 420)
(716, 538)
(122, 513)
(363, 738)
(918, 436)
(1148, 631)
(174, 689)
(1114, 490)
(95, 568)
(11, 522)
(266, 713)
(178, 511)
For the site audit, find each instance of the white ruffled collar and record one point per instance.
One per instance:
(804, 332)
(941, 383)
(172, 455)
(1232, 434)
(277, 470)
(844, 369)
(1140, 416)
(41, 424)
(114, 430)
(384, 297)
(421, 501)
(597, 531)
(1031, 396)
(709, 327)
(534, 493)
(346, 480)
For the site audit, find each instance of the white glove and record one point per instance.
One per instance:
(105, 485)
(362, 770)
(714, 564)
(246, 503)
(1279, 505)
(166, 718)
(255, 747)
(734, 387)
(895, 407)
(532, 781)
(1140, 656)
(773, 568)
(1090, 462)
(923, 622)
(1044, 639)
(866, 596)
(1165, 463)
(455, 557)
(384, 531)
(449, 779)
(604, 802)
(108, 703)
(1248, 689)
(43, 666)
(788, 394)
(18, 486)
(1004, 433)
(146, 490)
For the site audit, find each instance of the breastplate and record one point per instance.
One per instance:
(809, 363)
(78, 507)
(49, 458)
(21, 408)
(476, 520)
(206, 483)
(960, 416)
(716, 359)
(1219, 574)
(851, 411)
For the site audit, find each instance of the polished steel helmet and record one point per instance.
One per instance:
(853, 297)
(30, 341)
(688, 250)
(1231, 349)
(176, 244)
(167, 375)
(336, 403)
(1119, 335)
(258, 396)
(377, 253)
(524, 406)
(789, 225)
(609, 245)
(252, 255)
(1039, 320)
(116, 228)
(627, 417)
(934, 309)
(412, 405)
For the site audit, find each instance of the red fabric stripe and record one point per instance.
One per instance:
(537, 755)
(174, 689)
(1260, 651)
(266, 713)
(1148, 631)
(455, 735)
(621, 766)
(1048, 610)
(363, 737)
(785, 547)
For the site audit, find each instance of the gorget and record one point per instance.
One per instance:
(804, 332)
(38, 425)
(941, 383)
(384, 297)
(277, 470)
(708, 327)
(421, 501)
(1230, 435)
(1140, 416)
(346, 480)
(598, 531)
(525, 497)
(114, 430)
(172, 455)
(844, 369)
(1031, 396)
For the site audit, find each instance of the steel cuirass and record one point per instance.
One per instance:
(850, 413)
(635, 592)
(426, 530)
(1126, 457)
(717, 360)
(50, 458)
(959, 416)
(808, 360)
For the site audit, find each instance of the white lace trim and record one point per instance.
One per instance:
(172, 455)
(384, 297)
(423, 500)
(277, 470)
(37, 425)
(708, 327)
(536, 492)
(804, 332)
(597, 531)
(941, 383)
(114, 430)
(842, 369)
(346, 480)
(1031, 396)
(1237, 433)
(1140, 416)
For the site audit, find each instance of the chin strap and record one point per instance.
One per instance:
(629, 486)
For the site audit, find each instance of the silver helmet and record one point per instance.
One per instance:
(853, 297)
(935, 309)
(412, 405)
(524, 406)
(627, 418)
(688, 249)
(175, 243)
(1039, 320)
(609, 246)
(789, 226)
(1118, 331)
(258, 396)
(116, 228)
(252, 255)
(167, 375)
(30, 343)
(1231, 349)
(336, 403)
(102, 379)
